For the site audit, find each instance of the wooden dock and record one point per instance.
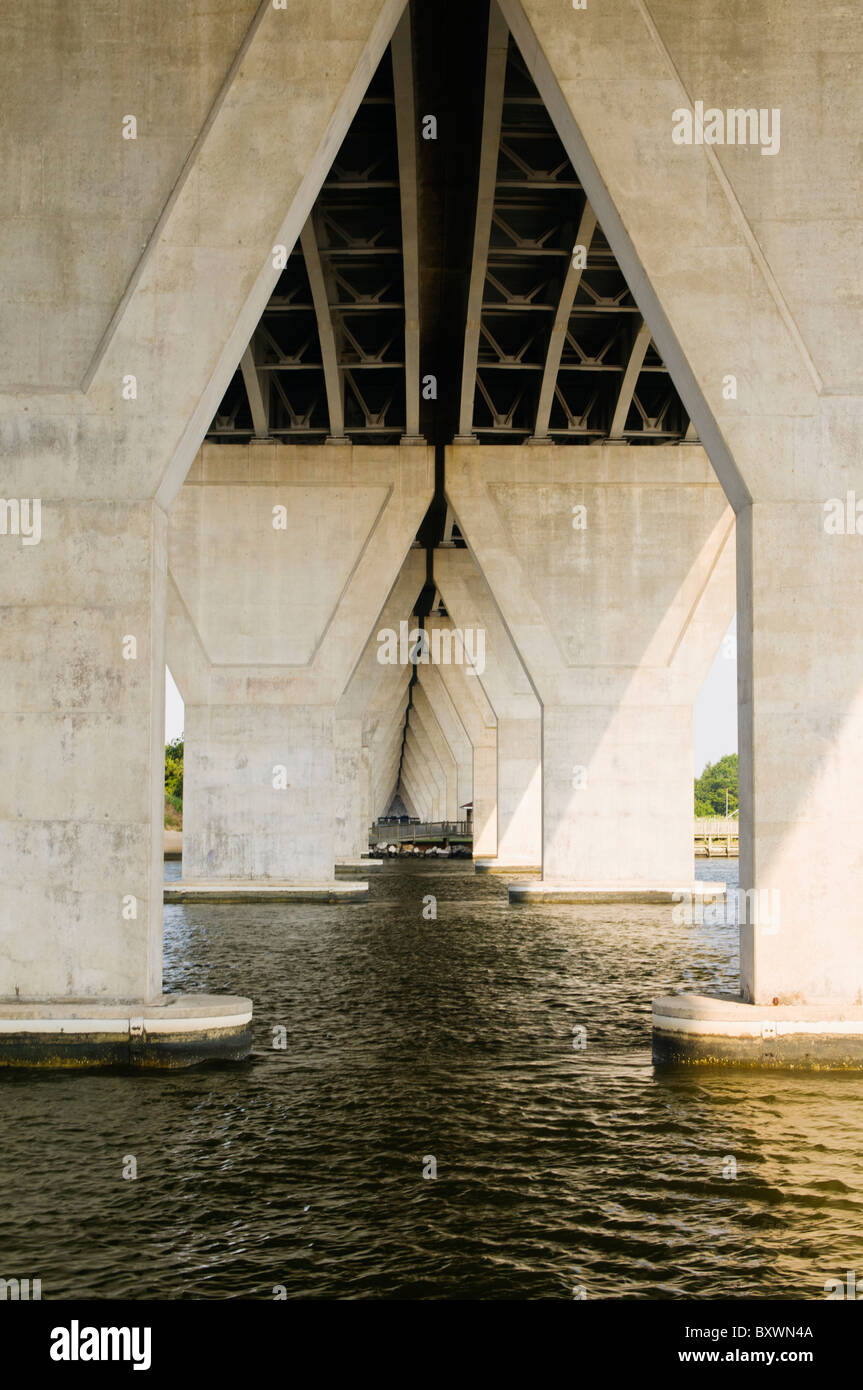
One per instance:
(716, 837)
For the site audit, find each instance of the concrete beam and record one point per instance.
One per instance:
(618, 670)
(282, 617)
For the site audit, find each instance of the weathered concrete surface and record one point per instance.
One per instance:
(147, 229)
(178, 1030)
(823, 1035)
(700, 891)
(617, 630)
(82, 755)
(257, 891)
(756, 283)
(230, 179)
(168, 73)
(266, 626)
(358, 868)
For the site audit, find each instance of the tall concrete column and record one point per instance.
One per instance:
(81, 753)
(519, 725)
(109, 376)
(478, 718)
(281, 561)
(801, 710)
(617, 631)
(352, 802)
(768, 364)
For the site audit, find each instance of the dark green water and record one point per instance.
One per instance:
(452, 1038)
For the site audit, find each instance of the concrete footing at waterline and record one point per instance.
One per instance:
(358, 868)
(271, 891)
(561, 891)
(494, 866)
(708, 1030)
(178, 1030)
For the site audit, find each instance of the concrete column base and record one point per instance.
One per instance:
(178, 1030)
(560, 891)
(495, 866)
(263, 891)
(707, 1030)
(358, 868)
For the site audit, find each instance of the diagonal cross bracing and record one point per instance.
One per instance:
(557, 337)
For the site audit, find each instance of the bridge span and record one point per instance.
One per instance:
(429, 406)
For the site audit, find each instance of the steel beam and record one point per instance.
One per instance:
(403, 84)
(257, 390)
(557, 337)
(629, 383)
(495, 79)
(326, 332)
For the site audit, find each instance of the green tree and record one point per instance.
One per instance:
(174, 773)
(710, 787)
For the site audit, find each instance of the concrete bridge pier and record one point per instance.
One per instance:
(801, 816)
(617, 629)
(281, 561)
(769, 367)
(105, 394)
(82, 763)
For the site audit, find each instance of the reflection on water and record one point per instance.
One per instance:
(407, 1038)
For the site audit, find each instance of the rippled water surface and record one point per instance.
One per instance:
(451, 1038)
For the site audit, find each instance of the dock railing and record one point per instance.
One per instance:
(716, 835)
(405, 832)
(713, 834)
